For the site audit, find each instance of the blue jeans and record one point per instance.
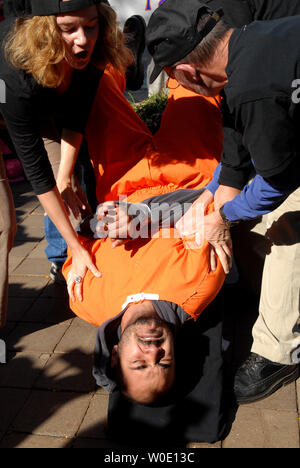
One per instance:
(56, 249)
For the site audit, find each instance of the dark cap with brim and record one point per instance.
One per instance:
(172, 31)
(58, 7)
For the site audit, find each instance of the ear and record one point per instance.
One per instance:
(189, 69)
(114, 357)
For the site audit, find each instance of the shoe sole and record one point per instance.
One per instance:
(286, 380)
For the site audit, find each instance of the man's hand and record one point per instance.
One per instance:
(218, 235)
(73, 197)
(121, 221)
(224, 194)
(113, 222)
(190, 226)
(214, 231)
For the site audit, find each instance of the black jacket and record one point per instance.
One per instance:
(237, 13)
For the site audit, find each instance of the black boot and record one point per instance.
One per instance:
(258, 378)
(135, 28)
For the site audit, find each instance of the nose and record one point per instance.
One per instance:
(81, 38)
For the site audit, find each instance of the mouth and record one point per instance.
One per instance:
(81, 55)
(157, 342)
(151, 337)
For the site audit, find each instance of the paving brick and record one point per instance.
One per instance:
(22, 369)
(28, 441)
(198, 445)
(54, 290)
(11, 401)
(49, 310)
(94, 423)
(282, 430)
(17, 307)
(26, 286)
(33, 267)
(284, 399)
(31, 229)
(5, 331)
(14, 262)
(68, 372)
(22, 249)
(80, 337)
(59, 414)
(36, 337)
(39, 250)
(39, 210)
(262, 428)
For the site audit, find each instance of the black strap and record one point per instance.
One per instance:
(211, 23)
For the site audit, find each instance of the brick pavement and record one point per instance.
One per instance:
(48, 397)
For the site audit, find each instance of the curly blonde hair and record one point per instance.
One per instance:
(35, 46)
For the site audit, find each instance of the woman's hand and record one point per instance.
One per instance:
(81, 263)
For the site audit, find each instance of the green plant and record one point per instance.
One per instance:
(151, 109)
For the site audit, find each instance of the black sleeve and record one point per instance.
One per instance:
(170, 207)
(268, 135)
(22, 123)
(161, 210)
(236, 161)
(273, 9)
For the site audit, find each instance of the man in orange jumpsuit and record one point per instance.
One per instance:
(149, 286)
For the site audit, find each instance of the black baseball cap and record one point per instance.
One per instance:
(57, 7)
(172, 31)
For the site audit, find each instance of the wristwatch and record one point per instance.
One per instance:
(228, 223)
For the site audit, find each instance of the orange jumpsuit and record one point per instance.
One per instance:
(130, 162)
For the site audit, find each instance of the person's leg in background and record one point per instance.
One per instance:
(7, 232)
(273, 361)
(56, 250)
(85, 175)
(135, 29)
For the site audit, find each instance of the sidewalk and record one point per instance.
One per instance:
(48, 396)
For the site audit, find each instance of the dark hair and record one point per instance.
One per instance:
(205, 50)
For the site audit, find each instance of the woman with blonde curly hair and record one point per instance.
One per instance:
(52, 58)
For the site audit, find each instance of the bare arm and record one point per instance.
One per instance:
(54, 207)
(72, 195)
